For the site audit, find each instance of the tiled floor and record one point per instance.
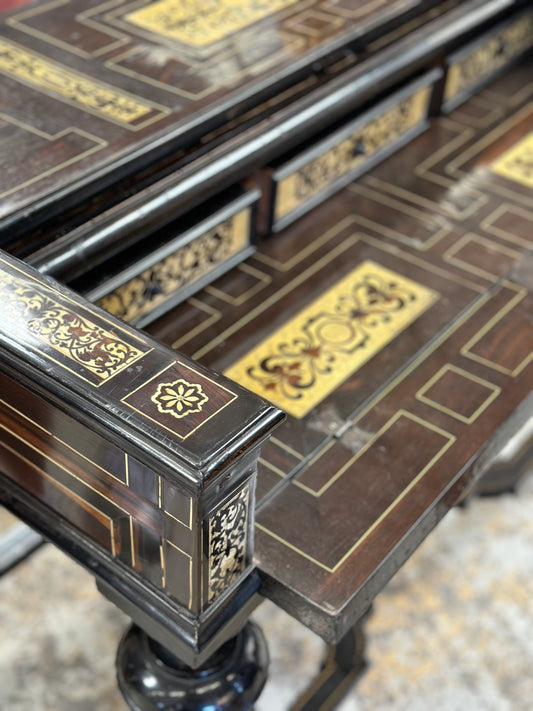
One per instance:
(452, 632)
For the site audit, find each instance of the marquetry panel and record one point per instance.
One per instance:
(48, 322)
(179, 399)
(197, 26)
(139, 519)
(171, 272)
(333, 162)
(347, 490)
(109, 449)
(106, 494)
(269, 318)
(309, 356)
(340, 498)
(476, 63)
(228, 548)
(80, 90)
(108, 77)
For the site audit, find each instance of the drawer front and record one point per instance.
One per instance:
(479, 61)
(316, 173)
(186, 264)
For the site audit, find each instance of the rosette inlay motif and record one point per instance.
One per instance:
(179, 398)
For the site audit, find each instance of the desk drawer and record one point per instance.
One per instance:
(478, 62)
(159, 277)
(317, 172)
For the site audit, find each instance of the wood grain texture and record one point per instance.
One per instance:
(87, 89)
(98, 425)
(348, 491)
(262, 134)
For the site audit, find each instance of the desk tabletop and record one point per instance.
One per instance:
(394, 325)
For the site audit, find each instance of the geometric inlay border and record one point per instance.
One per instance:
(422, 396)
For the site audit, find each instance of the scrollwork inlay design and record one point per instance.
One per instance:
(198, 24)
(330, 335)
(493, 54)
(98, 350)
(227, 543)
(182, 268)
(310, 355)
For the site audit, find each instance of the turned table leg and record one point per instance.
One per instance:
(152, 678)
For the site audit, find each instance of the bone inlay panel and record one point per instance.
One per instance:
(388, 449)
(308, 357)
(81, 90)
(197, 25)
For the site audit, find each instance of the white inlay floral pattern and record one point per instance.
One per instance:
(179, 398)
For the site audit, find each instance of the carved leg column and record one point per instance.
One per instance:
(344, 663)
(152, 678)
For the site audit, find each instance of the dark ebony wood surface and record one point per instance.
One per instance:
(247, 144)
(136, 462)
(92, 92)
(393, 324)
(151, 679)
(348, 490)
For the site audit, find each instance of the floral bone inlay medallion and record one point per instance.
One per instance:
(179, 398)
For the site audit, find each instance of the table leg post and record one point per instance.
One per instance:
(152, 678)
(508, 456)
(344, 663)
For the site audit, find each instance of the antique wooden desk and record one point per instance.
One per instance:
(390, 318)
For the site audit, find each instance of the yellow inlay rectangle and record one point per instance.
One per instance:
(350, 152)
(517, 163)
(76, 88)
(187, 265)
(198, 24)
(312, 354)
